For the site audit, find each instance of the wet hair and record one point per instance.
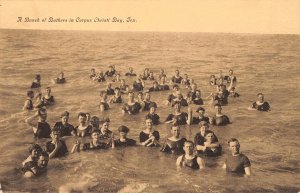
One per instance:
(42, 111)
(37, 77)
(175, 86)
(175, 125)
(44, 154)
(190, 142)
(36, 147)
(123, 128)
(117, 88)
(81, 114)
(152, 105)
(30, 93)
(260, 94)
(217, 105)
(200, 109)
(106, 120)
(177, 70)
(203, 123)
(230, 70)
(233, 140)
(65, 114)
(140, 93)
(95, 121)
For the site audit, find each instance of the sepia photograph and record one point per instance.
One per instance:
(149, 96)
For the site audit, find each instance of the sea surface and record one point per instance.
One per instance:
(262, 63)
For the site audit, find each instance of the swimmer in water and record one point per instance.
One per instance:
(36, 82)
(176, 79)
(100, 77)
(94, 143)
(147, 102)
(189, 159)
(152, 115)
(41, 129)
(60, 79)
(103, 101)
(124, 87)
(185, 81)
(57, 147)
(197, 100)
(231, 79)
(93, 74)
(95, 122)
(260, 104)
(130, 72)
(213, 80)
(28, 105)
(32, 169)
(48, 99)
(219, 118)
(149, 137)
(106, 135)
(39, 101)
(221, 97)
(172, 96)
(117, 78)
(162, 74)
(192, 92)
(138, 85)
(163, 85)
(155, 87)
(175, 143)
(109, 90)
(83, 129)
(180, 118)
(151, 76)
(211, 147)
(35, 151)
(179, 98)
(237, 162)
(131, 107)
(140, 97)
(145, 74)
(63, 126)
(123, 140)
(117, 98)
(111, 71)
(201, 117)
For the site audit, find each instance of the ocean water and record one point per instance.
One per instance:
(262, 63)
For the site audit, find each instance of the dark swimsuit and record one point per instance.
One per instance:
(110, 91)
(35, 85)
(43, 130)
(175, 147)
(180, 119)
(49, 101)
(65, 130)
(106, 106)
(128, 142)
(60, 80)
(263, 107)
(117, 99)
(133, 109)
(176, 80)
(30, 105)
(130, 74)
(138, 86)
(148, 104)
(154, 118)
(220, 121)
(164, 87)
(190, 163)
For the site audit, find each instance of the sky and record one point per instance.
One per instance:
(228, 16)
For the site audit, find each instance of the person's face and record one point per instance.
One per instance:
(82, 119)
(105, 126)
(149, 123)
(31, 95)
(43, 116)
(188, 148)
(177, 72)
(163, 79)
(194, 87)
(48, 90)
(93, 71)
(218, 109)
(234, 147)
(34, 153)
(209, 137)
(203, 129)
(198, 94)
(155, 84)
(152, 110)
(117, 91)
(260, 98)
(123, 134)
(230, 72)
(140, 96)
(131, 96)
(55, 135)
(179, 96)
(111, 68)
(162, 71)
(176, 88)
(109, 85)
(130, 69)
(61, 75)
(201, 113)
(122, 81)
(43, 161)
(175, 131)
(65, 119)
(177, 107)
(95, 135)
(148, 96)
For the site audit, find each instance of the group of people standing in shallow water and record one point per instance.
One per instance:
(99, 136)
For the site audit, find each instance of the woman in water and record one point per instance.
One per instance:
(131, 107)
(152, 115)
(219, 118)
(103, 101)
(178, 117)
(83, 129)
(48, 99)
(123, 141)
(36, 82)
(117, 98)
(175, 143)
(130, 72)
(28, 105)
(149, 137)
(60, 79)
(138, 85)
(176, 79)
(260, 104)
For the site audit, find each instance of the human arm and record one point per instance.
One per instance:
(26, 105)
(189, 120)
(248, 171)
(179, 160)
(201, 163)
(30, 120)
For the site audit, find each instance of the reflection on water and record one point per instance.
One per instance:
(262, 63)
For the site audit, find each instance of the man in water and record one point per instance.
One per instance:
(237, 162)
(189, 159)
(41, 129)
(201, 117)
(63, 126)
(152, 115)
(219, 118)
(28, 105)
(37, 82)
(56, 147)
(130, 72)
(175, 143)
(131, 107)
(32, 168)
(123, 141)
(260, 104)
(149, 137)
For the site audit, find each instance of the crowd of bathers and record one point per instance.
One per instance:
(191, 153)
